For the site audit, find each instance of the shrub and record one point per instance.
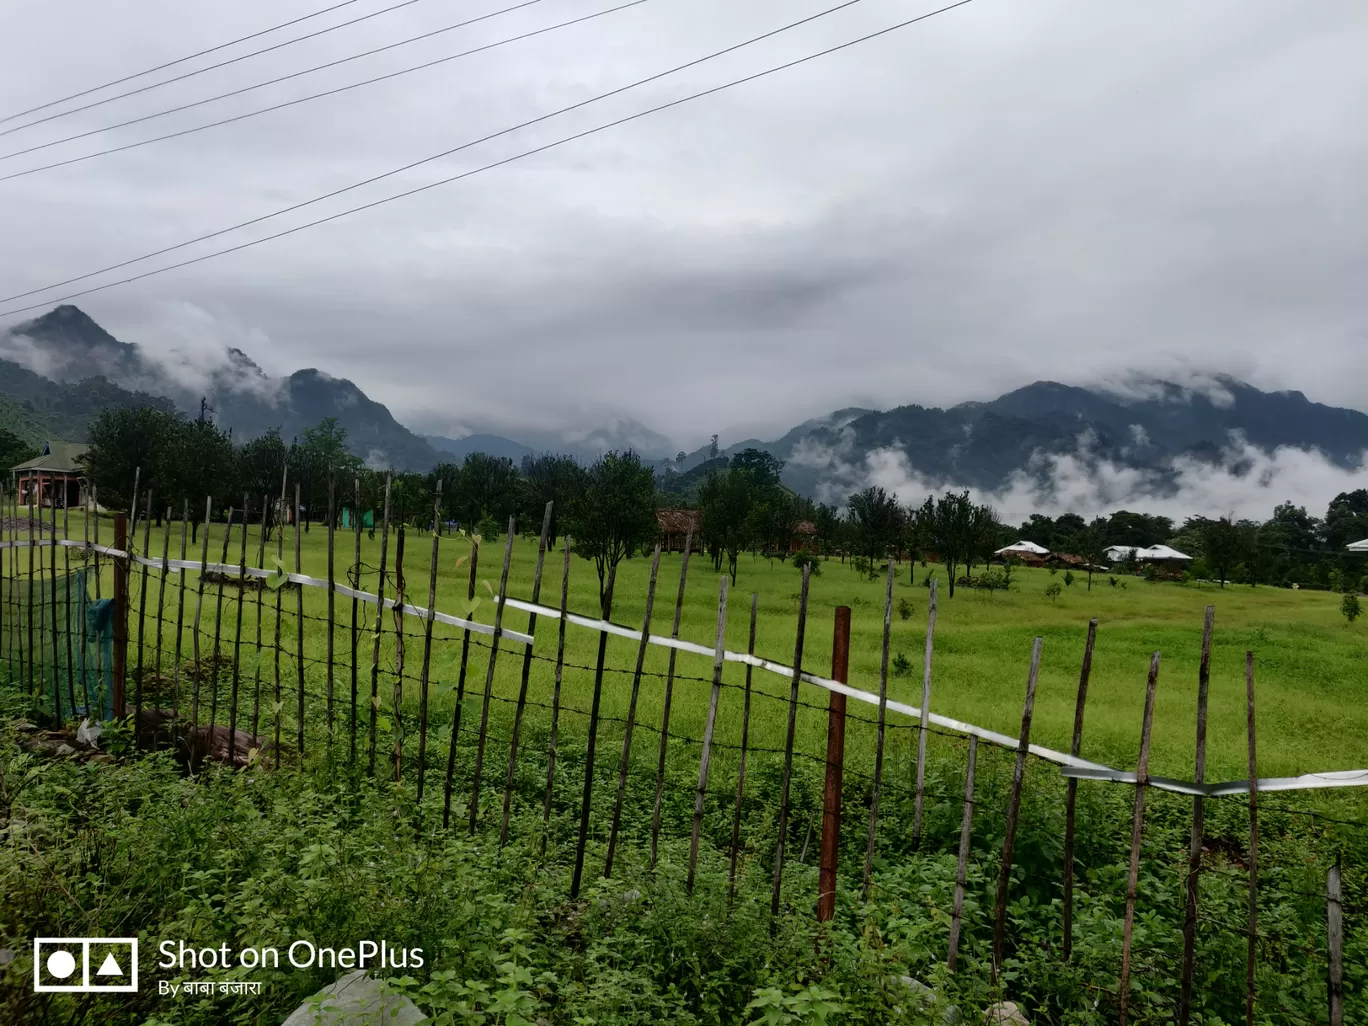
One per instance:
(926, 581)
(803, 559)
(904, 609)
(1068, 578)
(1112, 581)
(1151, 572)
(1350, 607)
(902, 666)
(1054, 569)
(1053, 591)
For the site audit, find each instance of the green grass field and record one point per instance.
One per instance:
(1311, 668)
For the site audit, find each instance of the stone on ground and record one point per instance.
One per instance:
(356, 1000)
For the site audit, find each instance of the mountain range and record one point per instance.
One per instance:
(60, 370)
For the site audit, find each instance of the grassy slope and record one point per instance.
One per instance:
(1309, 664)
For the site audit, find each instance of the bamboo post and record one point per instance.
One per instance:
(523, 680)
(962, 866)
(879, 741)
(121, 569)
(489, 677)
(218, 624)
(56, 649)
(424, 682)
(460, 689)
(73, 622)
(279, 606)
(379, 626)
(400, 597)
(199, 606)
(705, 760)
(142, 606)
(332, 609)
(741, 769)
(1253, 843)
(669, 696)
(556, 695)
(101, 693)
(1137, 832)
(161, 599)
(924, 720)
(631, 715)
(256, 659)
(1195, 842)
(1334, 935)
(778, 883)
(835, 764)
(237, 635)
(180, 619)
(1013, 811)
(592, 741)
(1071, 789)
(355, 621)
(299, 627)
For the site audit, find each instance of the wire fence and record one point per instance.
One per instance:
(486, 724)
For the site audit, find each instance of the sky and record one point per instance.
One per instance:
(1009, 191)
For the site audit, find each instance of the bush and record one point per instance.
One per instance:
(1053, 591)
(1151, 572)
(803, 559)
(902, 666)
(1112, 581)
(1068, 578)
(904, 609)
(1350, 607)
(926, 581)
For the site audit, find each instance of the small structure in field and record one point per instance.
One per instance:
(804, 537)
(1162, 556)
(55, 477)
(675, 525)
(1028, 552)
(1359, 546)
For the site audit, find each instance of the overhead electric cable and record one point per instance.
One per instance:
(486, 167)
(303, 99)
(211, 67)
(178, 60)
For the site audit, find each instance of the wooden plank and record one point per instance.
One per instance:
(741, 768)
(1013, 811)
(962, 868)
(778, 883)
(924, 723)
(879, 740)
(1137, 833)
(1071, 790)
(489, 677)
(586, 800)
(1195, 841)
(669, 697)
(705, 759)
(631, 715)
(523, 680)
(1334, 934)
(556, 695)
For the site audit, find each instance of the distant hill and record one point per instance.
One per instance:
(454, 450)
(37, 408)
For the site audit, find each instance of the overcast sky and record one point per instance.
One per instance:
(1012, 190)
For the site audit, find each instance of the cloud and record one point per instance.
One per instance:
(1248, 482)
(199, 350)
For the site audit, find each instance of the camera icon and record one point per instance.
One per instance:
(85, 965)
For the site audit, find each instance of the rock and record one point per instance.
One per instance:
(65, 749)
(356, 1000)
(926, 996)
(1005, 1013)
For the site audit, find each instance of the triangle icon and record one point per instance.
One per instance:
(109, 967)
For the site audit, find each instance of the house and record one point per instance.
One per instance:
(1359, 546)
(676, 525)
(804, 537)
(1027, 551)
(1160, 554)
(53, 478)
(1120, 553)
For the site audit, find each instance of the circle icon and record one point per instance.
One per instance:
(61, 964)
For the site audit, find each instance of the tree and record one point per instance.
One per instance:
(124, 441)
(1222, 546)
(14, 449)
(727, 501)
(763, 467)
(1092, 545)
(949, 522)
(984, 531)
(199, 463)
(614, 514)
(876, 519)
(712, 448)
(556, 479)
(1349, 606)
(488, 487)
(1346, 519)
(261, 464)
(827, 522)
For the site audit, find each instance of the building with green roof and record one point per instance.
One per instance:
(53, 478)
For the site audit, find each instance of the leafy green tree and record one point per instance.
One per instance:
(1223, 546)
(949, 523)
(261, 464)
(488, 486)
(14, 449)
(1346, 519)
(876, 519)
(199, 462)
(615, 513)
(1350, 607)
(126, 440)
(827, 521)
(762, 467)
(1092, 545)
(557, 479)
(726, 502)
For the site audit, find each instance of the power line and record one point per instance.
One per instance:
(446, 153)
(292, 75)
(178, 60)
(211, 67)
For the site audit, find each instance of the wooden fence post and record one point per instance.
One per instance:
(237, 636)
(120, 660)
(460, 689)
(330, 655)
(218, 624)
(379, 627)
(961, 870)
(355, 620)
(1013, 810)
(705, 760)
(556, 695)
(1137, 833)
(591, 742)
(424, 681)
(1334, 935)
(669, 695)
(1198, 812)
(483, 739)
(1253, 844)
(879, 742)
(835, 763)
(925, 716)
(741, 768)
(400, 598)
(778, 882)
(1071, 798)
